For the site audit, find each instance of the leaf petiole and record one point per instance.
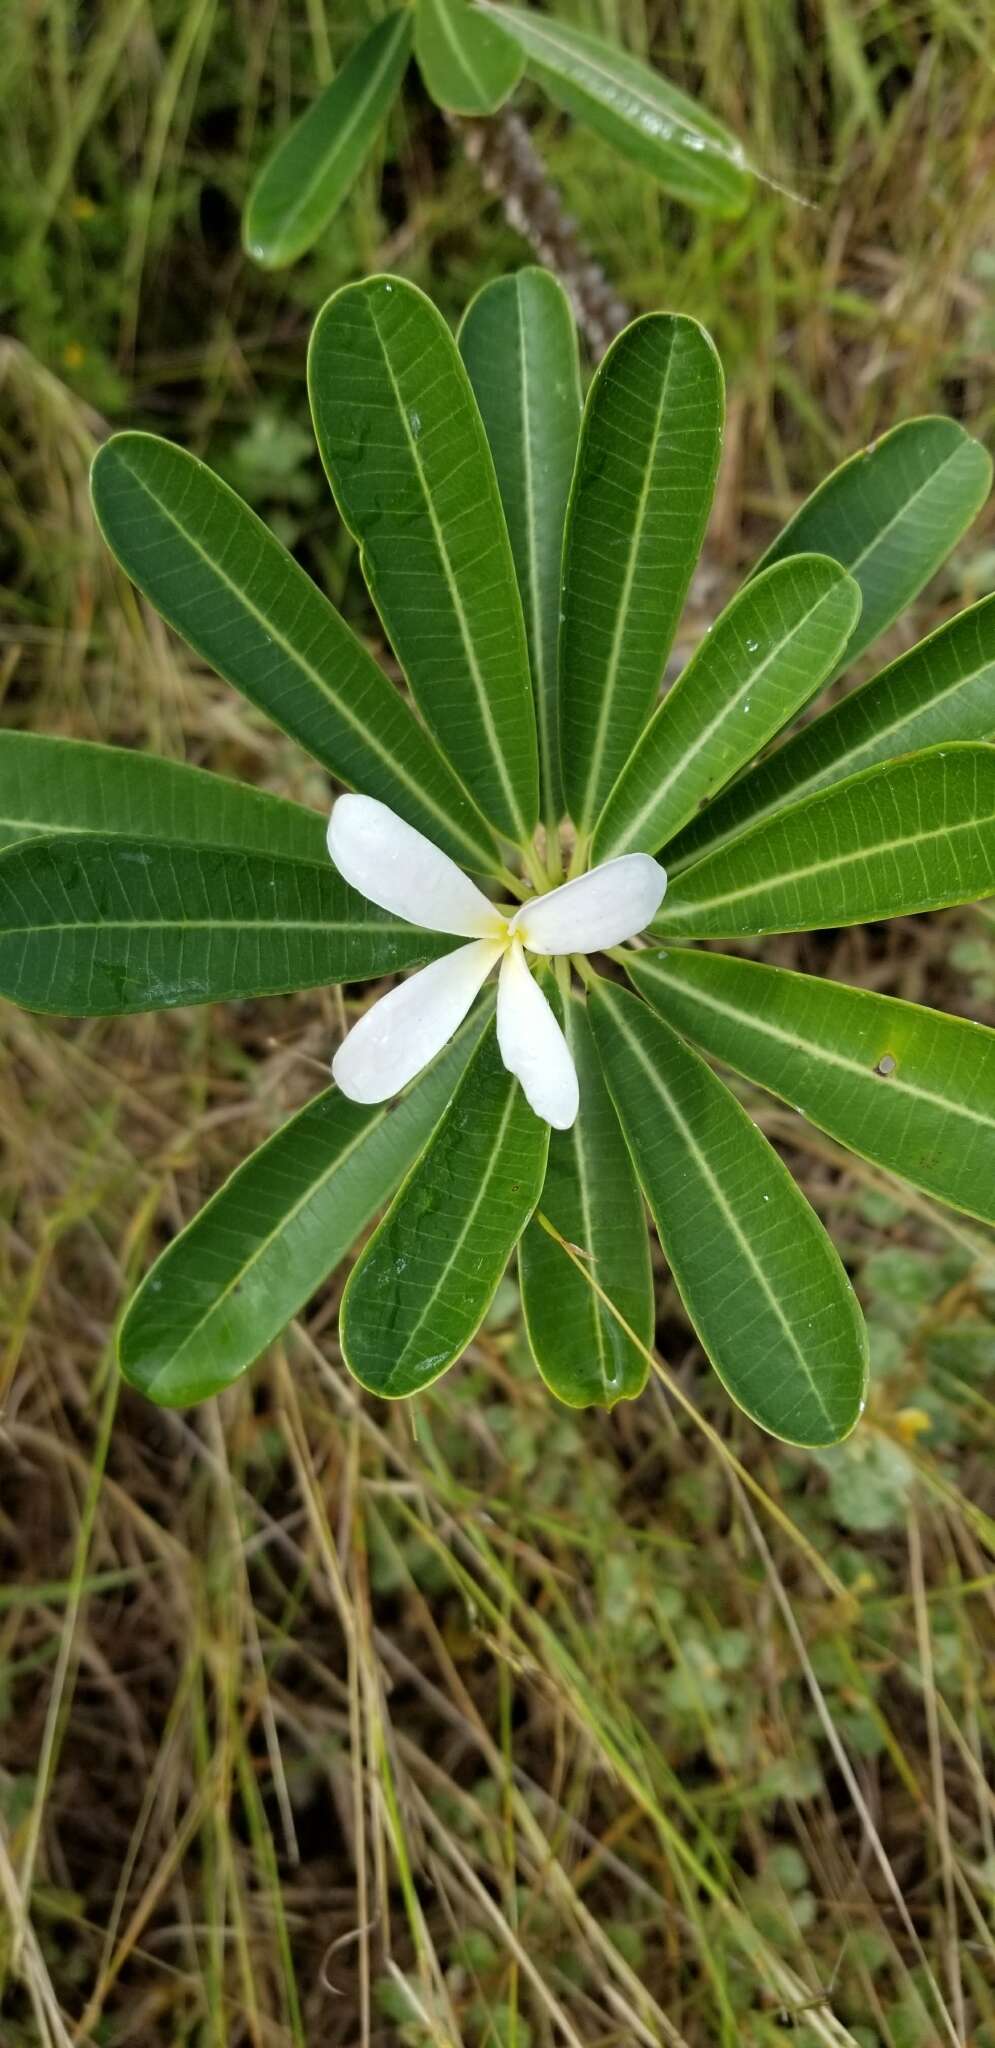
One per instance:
(534, 869)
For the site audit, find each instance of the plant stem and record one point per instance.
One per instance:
(554, 856)
(510, 166)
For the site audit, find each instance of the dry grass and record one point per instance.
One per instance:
(475, 1722)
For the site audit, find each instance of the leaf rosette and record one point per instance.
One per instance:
(536, 808)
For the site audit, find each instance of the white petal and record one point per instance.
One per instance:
(400, 870)
(406, 1028)
(612, 903)
(533, 1047)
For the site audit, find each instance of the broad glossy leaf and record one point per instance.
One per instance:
(407, 457)
(50, 785)
(891, 515)
(307, 176)
(519, 343)
(757, 1273)
(231, 1281)
(909, 1088)
(647, 120)
(910, 835)
(425, 1281)
(649, 449)
(224, 581)
(93, 927)
(590, 1194)
(765, 656)
(943, 689)
(468, 65)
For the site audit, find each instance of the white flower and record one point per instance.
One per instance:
(401, 871)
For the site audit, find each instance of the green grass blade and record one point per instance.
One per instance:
(469, 66)
(519, 343)
(311, 170)
(591, 1195)
(404, 446)
(908, 1088)
(231, 1281)
(765, 656)
(50, 785)
(943, 689)
(642, 488)
(423, 1284)
(891, 515)
(93, 927)
(907, 836)
(647, 120)
(757, 1273)
(222, 579)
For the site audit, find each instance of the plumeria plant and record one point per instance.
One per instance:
(535, 806)
(471, 55)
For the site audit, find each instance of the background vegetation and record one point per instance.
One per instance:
(479, 1722)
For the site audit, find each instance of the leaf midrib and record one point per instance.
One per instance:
(839, 860)
(896, 1084)
(392, 761)
(706, 733)
(452, 583)
(348, 128)
(531, 541)
(906, 506)
(592, 1299)
(587, 1220)
(288, 1218)
(457, 1246)
(622, 615)
(726, 153)
(846, 763)
(449, 35)
(50, 828)
(716, 1191)
(373, 1124)
(213, 924)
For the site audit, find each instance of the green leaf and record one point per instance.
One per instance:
(407, 457)
(224, 581)
(650, 122)
(765, 656)
(232, 1280)
(649, 450)
(93, 927)
(305, 179)
(50, 785)
(519, 343)
(759, 1278)
(425, 1281)
(468, 66)
(891, 515)
(909, 1088)
(906, 836)
(590, 1195)
(943, 689)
